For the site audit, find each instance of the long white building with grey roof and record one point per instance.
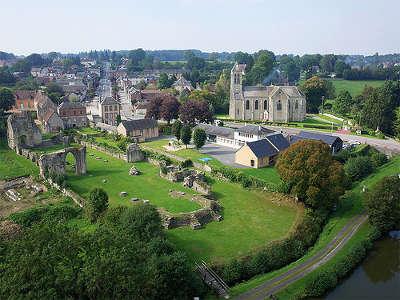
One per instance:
(281, 104)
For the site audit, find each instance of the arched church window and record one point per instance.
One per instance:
(265, 105)
(296, 104)
(256, 105)
(279, 105)
(247, 104)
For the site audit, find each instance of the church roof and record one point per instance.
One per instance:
(268, 91)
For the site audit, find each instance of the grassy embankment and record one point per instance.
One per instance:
(349, 206)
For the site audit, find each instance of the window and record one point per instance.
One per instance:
(106, 108)
(279, 105)
(296, 104)
(265, 104)
(252, 162)
(247, 104)
(256, 105)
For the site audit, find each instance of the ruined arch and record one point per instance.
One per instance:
(55, 162)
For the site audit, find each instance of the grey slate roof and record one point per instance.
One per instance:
(278, 140)
(217, 130)
(139, 124)
(262, 148)
(305, 135)
(254, 129)
(68, 104)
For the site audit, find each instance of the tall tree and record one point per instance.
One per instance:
(97, 204)
(396, 124)
(343, 103)
(199, 137)
(7, 99)
(153, 110)
(383, 204)
(264, 63)
(244, 58)
(195, 110)
(315, 88)
(312, 174)
(186, 135)
(176, 129)
(169, 108)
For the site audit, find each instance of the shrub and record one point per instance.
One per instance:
(358, 167)
(378, 159)
(96, 204)
(186, 164)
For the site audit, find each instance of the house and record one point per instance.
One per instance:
(52, 122)
(140, 130)
(261, 153)
(234, 138)
(44, 106)
(109, 109)
(220, 135)
(140, 109)
(334, 142)
(251, 133)
(182, 84)
(24, 100)
(73, 114)
(265, 103)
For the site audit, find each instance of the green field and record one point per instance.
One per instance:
(148, 185)
(349, 206)
(13, 165)
(355, 87)
(251, 218)
(268, 174)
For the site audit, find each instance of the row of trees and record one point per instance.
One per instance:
(184, 133)
(168, 107)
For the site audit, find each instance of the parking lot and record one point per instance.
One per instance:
(224, 154)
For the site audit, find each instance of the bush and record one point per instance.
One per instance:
(48, 214)
(378, 159)
(358, 167)
(186, 164)
(165, 129)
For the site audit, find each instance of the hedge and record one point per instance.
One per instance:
(276, 254)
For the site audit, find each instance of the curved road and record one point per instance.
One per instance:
(278, 283)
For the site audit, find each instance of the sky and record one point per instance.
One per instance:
(285, 26)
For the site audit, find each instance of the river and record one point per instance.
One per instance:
(378, 277)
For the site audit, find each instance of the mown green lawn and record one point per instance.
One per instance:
(148, 185)
(251, 218)
(268, 174)
(349, 206)
(13, 165)
(355, 87)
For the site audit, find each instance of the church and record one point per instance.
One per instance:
(281, 104)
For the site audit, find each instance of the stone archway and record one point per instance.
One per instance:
(55, 162)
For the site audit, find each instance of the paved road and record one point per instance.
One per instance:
(388, 146)
(224, 154)
(278, 283)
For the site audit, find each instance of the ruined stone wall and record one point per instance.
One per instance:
(22, 132)
(134, 153)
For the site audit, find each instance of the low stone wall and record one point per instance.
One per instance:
(16, 182)
(69, 193)
(31, 155)
(196, 219)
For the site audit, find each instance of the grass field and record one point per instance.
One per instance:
(13, 165)
(355, 87)
(349, 206)
(251, 218)
(148, 185)
(268, 174)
